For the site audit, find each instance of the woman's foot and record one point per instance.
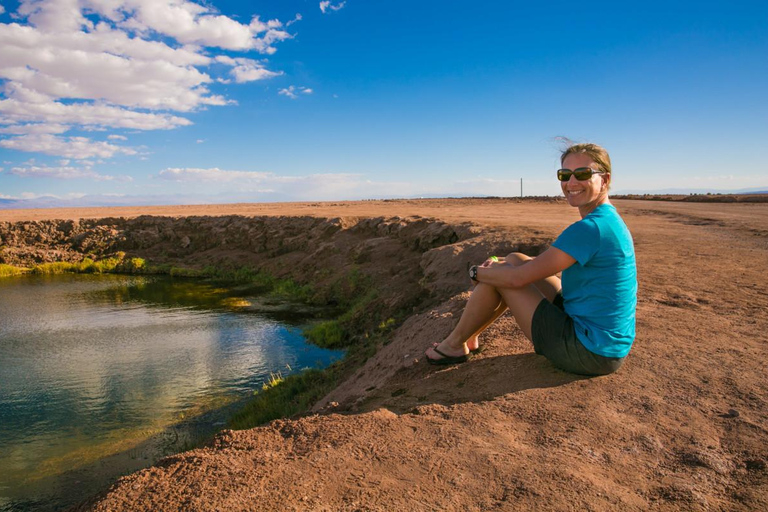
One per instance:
(442, 353)
(473, 344)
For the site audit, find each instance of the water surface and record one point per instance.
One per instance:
(100, 375)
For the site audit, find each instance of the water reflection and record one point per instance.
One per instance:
(92, 366)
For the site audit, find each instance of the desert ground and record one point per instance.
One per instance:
(683, 425)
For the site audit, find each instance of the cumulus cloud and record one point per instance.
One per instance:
(117, 137)
(69, 147)
(23, 129)
(101, 64)
(64, 173)
(247, 70)
(325, 6)
(293, 91)
(23, 107)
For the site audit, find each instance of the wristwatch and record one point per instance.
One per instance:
(473, 273)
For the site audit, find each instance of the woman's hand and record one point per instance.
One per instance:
(490, 262)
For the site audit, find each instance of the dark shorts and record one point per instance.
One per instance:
(555, 338)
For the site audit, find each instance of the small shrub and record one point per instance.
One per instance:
(290, 289)
(329, 334)
(133, 266)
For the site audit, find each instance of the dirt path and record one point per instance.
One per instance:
(682, 426)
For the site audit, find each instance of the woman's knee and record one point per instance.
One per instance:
(517, 258)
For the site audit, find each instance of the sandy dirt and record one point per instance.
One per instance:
(682, 426)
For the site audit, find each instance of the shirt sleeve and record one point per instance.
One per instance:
(580, 240)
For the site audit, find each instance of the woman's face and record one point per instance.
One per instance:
(583, 194)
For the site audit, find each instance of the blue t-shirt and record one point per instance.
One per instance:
(600, 289)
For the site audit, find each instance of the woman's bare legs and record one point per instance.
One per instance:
(487, 303)
(548, 287)
(473, 343)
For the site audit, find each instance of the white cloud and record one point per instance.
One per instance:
(326, 5)
(68, 147)
(101, 64)
(2, 9)
(247, 70)
(210, 175)
(293, 91)
(64, 173)
(23, 129)
(294, 20)
(20, 108)
(191, 23)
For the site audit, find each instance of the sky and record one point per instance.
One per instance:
(178, 101)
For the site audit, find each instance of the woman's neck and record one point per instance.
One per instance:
(586, 209)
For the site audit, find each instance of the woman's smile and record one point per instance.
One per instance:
(587, 194)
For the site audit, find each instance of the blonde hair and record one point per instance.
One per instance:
(598, 154)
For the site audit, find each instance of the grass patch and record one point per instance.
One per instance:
(274, 380)
(293, 395)
(10, 270)
(58, 267)
(337, 333)
(87, 266)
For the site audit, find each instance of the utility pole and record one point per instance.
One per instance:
(521, 188)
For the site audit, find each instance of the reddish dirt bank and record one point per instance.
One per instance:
(682, 426)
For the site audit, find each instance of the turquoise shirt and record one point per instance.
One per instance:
(600, 289)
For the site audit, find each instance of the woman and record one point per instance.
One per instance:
(584, 323)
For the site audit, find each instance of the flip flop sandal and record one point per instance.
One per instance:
(478, 350)
(446, 359)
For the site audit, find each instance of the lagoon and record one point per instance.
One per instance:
(103, 374)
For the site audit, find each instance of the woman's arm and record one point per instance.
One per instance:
(504, 275)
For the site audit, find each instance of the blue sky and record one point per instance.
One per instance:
(161, 101)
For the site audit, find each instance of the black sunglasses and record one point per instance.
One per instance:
(582, 173)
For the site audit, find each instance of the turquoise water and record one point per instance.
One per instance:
(101, 375)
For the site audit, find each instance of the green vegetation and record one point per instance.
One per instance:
(293, 395)
(87, 266)
(337, 333)
(10, 270)
(274, 380)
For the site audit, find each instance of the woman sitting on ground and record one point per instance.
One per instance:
(583, 323)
